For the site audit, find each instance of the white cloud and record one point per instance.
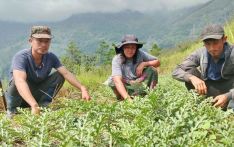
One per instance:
(52, 10)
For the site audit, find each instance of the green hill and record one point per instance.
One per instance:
(170, 58)
(190, 25)
(166, 28)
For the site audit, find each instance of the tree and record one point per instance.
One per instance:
(89, 62)
(105, 53)
(72, 58)
(155, 50)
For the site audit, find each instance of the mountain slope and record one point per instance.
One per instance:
(167, 28)
(189, 26)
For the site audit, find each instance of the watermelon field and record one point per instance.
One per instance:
(166, 116)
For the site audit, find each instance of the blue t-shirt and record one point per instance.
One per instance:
(23, 61)
(214, 69)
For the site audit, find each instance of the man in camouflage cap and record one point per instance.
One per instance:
(32, 83)
(216, 63)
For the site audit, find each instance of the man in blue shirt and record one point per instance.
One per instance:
(215, 76)
(32, 84)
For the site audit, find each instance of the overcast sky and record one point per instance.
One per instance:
(54, 10)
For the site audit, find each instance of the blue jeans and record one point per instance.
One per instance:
(43, 92)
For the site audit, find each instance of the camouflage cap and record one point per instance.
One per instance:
(213, 31)
(41, 32)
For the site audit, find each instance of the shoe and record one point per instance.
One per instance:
(11, 114)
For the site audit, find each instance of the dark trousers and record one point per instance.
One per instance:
(43, 92)
(214, 88)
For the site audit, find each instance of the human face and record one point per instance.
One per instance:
(215, 46)
(40, 45)
(129, 50)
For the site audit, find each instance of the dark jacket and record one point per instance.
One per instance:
(199, 59)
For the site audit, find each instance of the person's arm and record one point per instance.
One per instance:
(147, 60)
(117, 77)
(74, 81)
(24, 91)
(180, 72)
(198, 84)
(142, 65)
(154, 63)
(120, 86)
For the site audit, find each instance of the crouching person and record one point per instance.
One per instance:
(132, 67)
(32, 84)
(216, 63)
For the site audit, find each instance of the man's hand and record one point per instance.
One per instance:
(85, 94)
(140, 68)
(35, 110)
(129, 99)
(199, 85)
(220, 101)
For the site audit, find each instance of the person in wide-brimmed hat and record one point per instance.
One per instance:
(210, 69)
(131, 67)
(128, 39)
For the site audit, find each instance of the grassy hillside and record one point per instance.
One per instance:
(188, 26)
